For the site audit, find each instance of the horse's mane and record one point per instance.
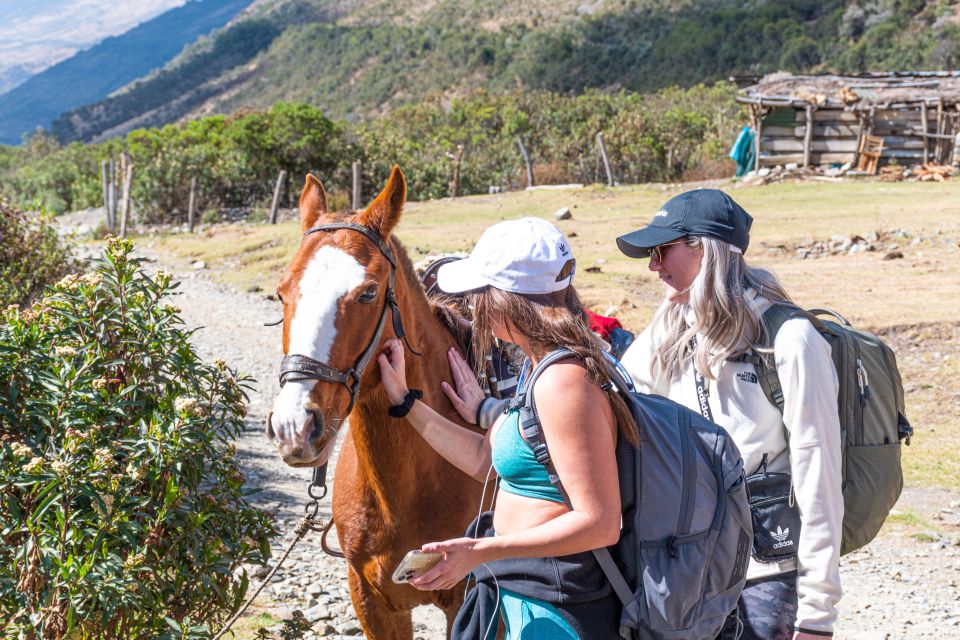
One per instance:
(446, 309)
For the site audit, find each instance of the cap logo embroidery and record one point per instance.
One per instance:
(663, 213)
(563, 249)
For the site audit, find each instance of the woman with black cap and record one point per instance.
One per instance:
(693, 352)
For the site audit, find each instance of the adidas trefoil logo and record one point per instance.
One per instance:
(663, 213)
(781, 535)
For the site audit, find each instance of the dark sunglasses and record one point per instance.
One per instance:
(656, 253)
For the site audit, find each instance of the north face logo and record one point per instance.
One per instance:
(747, 376)
(781, 535)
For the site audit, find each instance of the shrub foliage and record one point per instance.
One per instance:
(31, 255)
(124, 513)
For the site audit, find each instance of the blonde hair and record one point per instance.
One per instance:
(722, 317)
(548, 321)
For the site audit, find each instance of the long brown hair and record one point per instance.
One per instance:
(548, 321)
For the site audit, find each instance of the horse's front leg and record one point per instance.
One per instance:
(379, 620)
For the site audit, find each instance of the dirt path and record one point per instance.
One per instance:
(900, 586)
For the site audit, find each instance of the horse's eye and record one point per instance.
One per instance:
(369, 294)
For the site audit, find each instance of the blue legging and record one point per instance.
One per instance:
(532, 619)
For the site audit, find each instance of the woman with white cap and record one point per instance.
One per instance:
(693, 353)
(518, 279)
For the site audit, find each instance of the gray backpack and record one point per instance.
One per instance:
(872, 419)
(686, 534)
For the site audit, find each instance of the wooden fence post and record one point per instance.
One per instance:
(125, 202)
(112, 191)
(355, 195)
(104, 177)
(455, 182)
(606, 159)
(526, 161)
(275, 205)
(923, 126)
(191, 207)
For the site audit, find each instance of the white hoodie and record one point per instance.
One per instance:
(809, 381)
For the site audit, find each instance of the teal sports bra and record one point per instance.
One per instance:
(520, 473)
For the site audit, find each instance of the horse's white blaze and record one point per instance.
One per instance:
(329, 275)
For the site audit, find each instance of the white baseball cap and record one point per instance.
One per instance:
(521, 256)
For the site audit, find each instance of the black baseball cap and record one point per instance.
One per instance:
(701, 212)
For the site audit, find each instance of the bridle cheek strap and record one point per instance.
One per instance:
(298, 367)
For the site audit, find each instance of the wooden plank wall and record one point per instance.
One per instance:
(836, 135)
(834, 138)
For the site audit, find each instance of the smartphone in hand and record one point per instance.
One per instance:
(415, 564)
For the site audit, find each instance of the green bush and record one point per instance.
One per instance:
(31, 255)
(61, 178)
(123, 510)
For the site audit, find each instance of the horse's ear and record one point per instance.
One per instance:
(313, 202)
(384, 212)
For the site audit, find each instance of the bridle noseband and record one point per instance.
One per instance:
(299, 367)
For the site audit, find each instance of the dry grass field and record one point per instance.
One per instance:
(913, 301)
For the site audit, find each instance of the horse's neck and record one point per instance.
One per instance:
(389, 453)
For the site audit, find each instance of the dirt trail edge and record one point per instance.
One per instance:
(900, 586)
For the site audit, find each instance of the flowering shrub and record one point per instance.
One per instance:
(122, 509)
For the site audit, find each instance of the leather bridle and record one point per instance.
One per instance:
(300, 367)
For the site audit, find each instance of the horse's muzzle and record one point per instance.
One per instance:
(306, 445)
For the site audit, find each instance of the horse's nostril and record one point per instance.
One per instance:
(317, 430)
(271, 436)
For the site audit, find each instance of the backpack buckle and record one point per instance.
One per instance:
(541, 454)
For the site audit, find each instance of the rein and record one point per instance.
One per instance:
(300, 367)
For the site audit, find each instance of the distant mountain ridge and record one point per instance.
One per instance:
(90, 76)
(37, 34)
(360, 58)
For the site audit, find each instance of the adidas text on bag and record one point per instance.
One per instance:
(871, 408)
(686, 535)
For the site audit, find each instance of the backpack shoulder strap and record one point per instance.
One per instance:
(530, 419)
(770, 322)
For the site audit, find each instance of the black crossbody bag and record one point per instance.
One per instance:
(775, 515)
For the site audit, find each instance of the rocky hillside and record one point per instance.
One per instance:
(356, 58)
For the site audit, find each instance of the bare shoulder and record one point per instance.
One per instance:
(562, 378)
(564, 392)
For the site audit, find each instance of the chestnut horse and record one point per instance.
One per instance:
(392, 492)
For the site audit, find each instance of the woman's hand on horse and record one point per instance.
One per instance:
(468, 395)
(461, 556)
(393, 371)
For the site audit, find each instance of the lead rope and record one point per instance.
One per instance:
(309, 522)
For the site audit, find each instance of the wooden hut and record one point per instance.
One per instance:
(827, 119)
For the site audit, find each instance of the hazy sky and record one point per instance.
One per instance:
(35, 34)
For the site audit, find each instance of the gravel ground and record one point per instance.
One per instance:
(900, 586)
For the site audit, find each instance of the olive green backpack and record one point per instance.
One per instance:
(872, 420)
